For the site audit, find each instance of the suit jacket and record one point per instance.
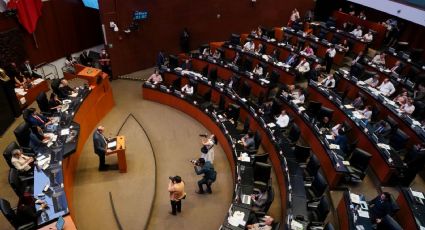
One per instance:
(99, 143)
(34, 121)
(35, 143)
(25, 70)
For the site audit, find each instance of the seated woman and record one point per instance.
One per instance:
(258, 70)
(22, 162)
(379, 59)
(155, 78)
(408, 108)
(345, 45)
(401, 99)
(188, 89)
(307, 51)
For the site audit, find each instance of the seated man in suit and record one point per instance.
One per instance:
(357, 32)
(397, 68)
(380, 206)
(291, 59)
(22, 162)
(328, 82)
(100, 147)
(342, 140)
(187, 65)
(358, 102)
(64, 90)
(28, 70)
(373, 81)
(382, 129)
(259, 199)
(248, 141)
(38, 139)
(36, 119)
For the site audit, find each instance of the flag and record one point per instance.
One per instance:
(28, 12)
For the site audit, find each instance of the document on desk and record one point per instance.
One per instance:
(64, 132)
(384, 146)
(333, 146)
(362, 213)
(418, 194)
(348, 106)
(355, 198)
(329, 137)
(271, 125)
(112, 144)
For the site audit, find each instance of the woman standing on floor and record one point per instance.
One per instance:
(207, 150)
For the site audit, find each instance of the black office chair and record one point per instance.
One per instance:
(263, 157)
(325, 112)
(10, 214)
(43, 103)
(245, 90)
(312, 167)
(313, 108)
(319, 210)
(393, 123)
(55, 86)
(206, 98)
(204, 71)
(375, 114)
(294, 134)
(177, 84)
(301, 43)
(323, 33)
(357, 70)
(7, 154)
(247, 64)
(22, 134)
(262, 172)
(317, 187)
(347, 127)
(368, 74)
(213, 75)
(352, 146)
(274, 78)
(235, 39)
(245, 128)
(388, 223)
(19, 183)
(336, 39)
(270, 198)
(221, 107)
(399, 140)
(359, 162)
(257, 140)
(302, 153)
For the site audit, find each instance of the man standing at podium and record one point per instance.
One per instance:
(100, 147)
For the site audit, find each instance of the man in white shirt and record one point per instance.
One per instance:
(386, 87)
(187, 89)
(379, 59)
(357, 32)
(368, 37)
(283, 120)
(367, 113)
(328, 82)
(302, 68)
(298, 97)
(329, 58)
(21, 162)
(408, 108)
(249, 46)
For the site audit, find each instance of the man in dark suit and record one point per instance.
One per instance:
(100, 147)
(85, 60)
(380, 207)
(29, 70)
(36, 119)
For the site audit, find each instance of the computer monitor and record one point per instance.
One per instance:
(235, 39)
(140, 15)
(233, 112)
(173, 62)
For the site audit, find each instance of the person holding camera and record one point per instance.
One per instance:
(177, 193)
(207, 150)
(204, 167)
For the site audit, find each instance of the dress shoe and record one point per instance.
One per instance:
(172, 213)
(104, 168)
(200, 192)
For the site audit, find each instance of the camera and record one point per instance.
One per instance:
(203, 135)
(195, 162)
(171, 178)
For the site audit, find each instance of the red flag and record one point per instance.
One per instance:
(28, 12)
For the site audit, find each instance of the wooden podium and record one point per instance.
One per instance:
(90, 74)
(120, 151)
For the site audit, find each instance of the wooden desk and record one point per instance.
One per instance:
(69, 224)
(90, 74)
(32, 93)
(120, 151)
(383, 170)
(94, 107)
(408, 213)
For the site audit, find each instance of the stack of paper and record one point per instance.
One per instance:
(355, 198)
(333, 146)
(384, 146)
(348, 106)
(112, 144)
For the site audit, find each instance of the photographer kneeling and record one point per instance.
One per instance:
(176, 189)
(206, 168)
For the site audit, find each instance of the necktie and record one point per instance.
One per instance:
(39, 119)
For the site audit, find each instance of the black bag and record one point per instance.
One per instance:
(204, 149)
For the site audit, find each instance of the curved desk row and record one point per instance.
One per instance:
(279, 162)
(393, 56)
(286, 75)
(322, 45)
(385, 164)
(90, 106)
(405, 123)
